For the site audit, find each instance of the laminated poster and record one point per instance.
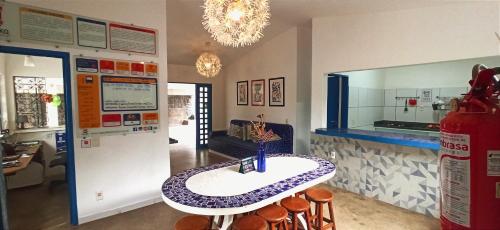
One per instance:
(45, 26)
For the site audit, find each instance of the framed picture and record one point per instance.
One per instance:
(242, 93)
(277, 91)
(259, 92)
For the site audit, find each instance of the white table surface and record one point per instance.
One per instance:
(226, 183)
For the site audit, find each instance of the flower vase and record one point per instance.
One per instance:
(261, 157)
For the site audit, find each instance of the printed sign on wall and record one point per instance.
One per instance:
(113, 103)
(45, 26)
(91, 33)
(132, 38)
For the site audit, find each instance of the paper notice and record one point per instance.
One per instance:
(39, 25)
(91, 33)
(132, 39)
(493, 163)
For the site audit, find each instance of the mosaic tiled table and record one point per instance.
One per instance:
(219, 190)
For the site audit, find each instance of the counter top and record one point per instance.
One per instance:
(410, 140)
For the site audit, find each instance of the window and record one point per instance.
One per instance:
(36, 104)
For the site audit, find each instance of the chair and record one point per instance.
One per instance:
(275, 216)
(320, 197)
(193, 222)
(296, 206)
(60, 160)
(250, 222)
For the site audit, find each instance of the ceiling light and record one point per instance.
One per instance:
(236, 22)
(208, 65)
(28, 61)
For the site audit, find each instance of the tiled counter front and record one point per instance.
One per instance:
(402, 176)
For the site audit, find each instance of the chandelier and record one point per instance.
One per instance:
(236, 22)
(208, 65)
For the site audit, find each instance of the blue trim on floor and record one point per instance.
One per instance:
(66, 64)
(409, 140)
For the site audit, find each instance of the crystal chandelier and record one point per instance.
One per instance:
(208, 65)
(236, 22)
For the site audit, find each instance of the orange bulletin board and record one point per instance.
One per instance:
(88, 101)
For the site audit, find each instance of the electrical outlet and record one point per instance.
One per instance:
(333, 154)
(99, 196)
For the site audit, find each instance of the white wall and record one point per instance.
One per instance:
(396, 38)
(129, 170)
(188, 74)
(275, 58)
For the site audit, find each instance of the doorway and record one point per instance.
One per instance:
(181, 114)
(37, 138)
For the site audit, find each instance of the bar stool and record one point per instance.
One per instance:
(296, 206)
(275, 216)
(250, 222)
(193, 222)
(321, 196)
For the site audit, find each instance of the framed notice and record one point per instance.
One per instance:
(129, 93)
(91, 33)
(46, 26)
(132, 39)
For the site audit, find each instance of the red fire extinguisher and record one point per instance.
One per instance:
(470, 156)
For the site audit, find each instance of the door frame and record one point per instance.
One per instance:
(337, 101)
(66, 65)
(197, 108)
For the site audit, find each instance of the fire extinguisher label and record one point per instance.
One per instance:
(454, 158)
(493, 163)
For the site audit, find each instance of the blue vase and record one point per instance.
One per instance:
(261, 157)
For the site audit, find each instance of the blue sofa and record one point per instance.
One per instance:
(234, 147)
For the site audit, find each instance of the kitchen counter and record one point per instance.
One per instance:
(410, 140)
(399, 169)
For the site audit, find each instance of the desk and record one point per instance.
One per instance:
(219, 190)
(31, 150)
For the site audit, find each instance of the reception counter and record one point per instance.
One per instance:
(399, 169)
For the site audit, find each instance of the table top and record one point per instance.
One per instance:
(221, 190)
(25, 159)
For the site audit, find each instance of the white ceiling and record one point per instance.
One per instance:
(186, 36)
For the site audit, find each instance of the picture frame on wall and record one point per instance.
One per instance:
(259, 92)
(277, 91)
(242, 93)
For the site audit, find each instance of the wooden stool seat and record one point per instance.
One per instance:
(319, 195)
(193, 223)
(273, 213)
(250, 222)
(295, 204)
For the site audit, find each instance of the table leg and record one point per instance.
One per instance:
(228, 219)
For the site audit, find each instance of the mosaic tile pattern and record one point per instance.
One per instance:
(402, 176)
(175, 189)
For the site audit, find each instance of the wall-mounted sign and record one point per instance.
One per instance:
(131, 119)
(132, 38)
(151, 70)
(91, 33)
(107, 66)
(111, 120)
(86, 65)
(88, 101)
(123, 67)
(46, 26)
(129, 93)
(110, 103)
(137, 69)
(29, 24)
